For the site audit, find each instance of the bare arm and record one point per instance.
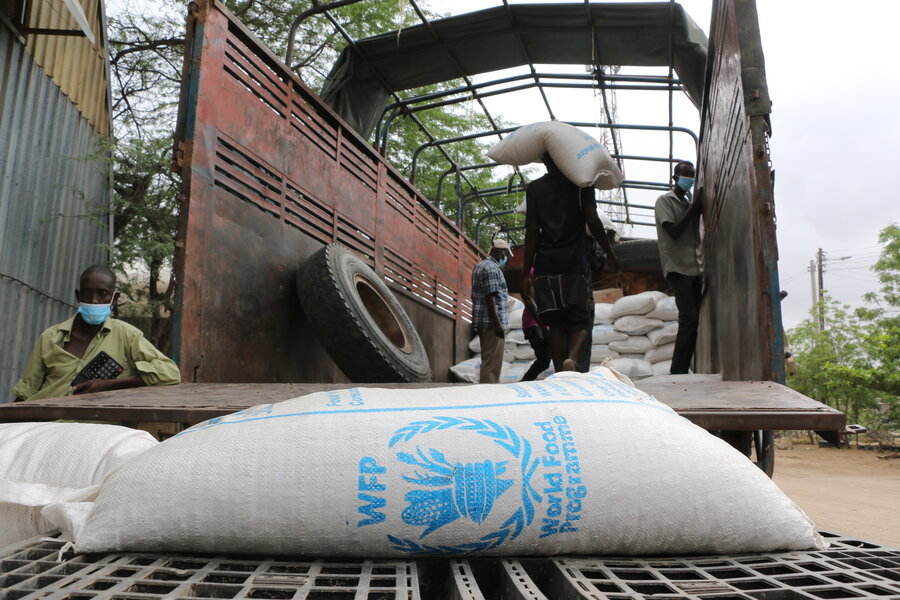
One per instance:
(105, 385)
(694, 210)
(595, 225)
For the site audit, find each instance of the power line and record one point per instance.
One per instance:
(795, 276)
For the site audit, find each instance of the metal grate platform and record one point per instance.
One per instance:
(850, 568)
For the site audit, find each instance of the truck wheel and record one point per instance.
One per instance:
(638, 255)
(359, 320)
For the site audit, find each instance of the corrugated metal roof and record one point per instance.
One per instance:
(53, 205)
(76, 65)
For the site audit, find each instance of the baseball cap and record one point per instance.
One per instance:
(502, 244)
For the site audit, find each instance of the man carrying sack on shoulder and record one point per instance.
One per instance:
(556, 214)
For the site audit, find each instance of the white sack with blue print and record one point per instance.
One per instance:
(575, 464)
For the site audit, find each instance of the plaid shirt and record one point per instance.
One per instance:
(487, 278)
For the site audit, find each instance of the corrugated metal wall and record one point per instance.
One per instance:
(76, 65)
(53, 205)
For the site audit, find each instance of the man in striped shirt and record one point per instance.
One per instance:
(490, 309)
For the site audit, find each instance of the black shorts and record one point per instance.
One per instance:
(564, 301)
(567, 319)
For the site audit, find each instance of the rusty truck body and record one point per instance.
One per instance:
(271, 173)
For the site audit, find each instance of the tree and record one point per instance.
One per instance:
(825, 359)
(145, 225)
(883, 339)
(853, 363)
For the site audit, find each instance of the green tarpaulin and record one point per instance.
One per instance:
(506, 37)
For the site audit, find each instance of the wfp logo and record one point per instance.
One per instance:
(446, 490)
(473, 489)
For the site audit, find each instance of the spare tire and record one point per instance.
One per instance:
(359, 321)
(638, 255)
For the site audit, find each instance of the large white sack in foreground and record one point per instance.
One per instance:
(576, 464)
(582, 159)
(42, 463)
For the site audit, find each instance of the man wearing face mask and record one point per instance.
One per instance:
(64, 349)
(490, 309)
(678, 232)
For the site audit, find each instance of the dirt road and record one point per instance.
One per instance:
(845, 491)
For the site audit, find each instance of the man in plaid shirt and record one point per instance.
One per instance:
(490, 308)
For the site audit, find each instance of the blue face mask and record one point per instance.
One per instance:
(94, 314)
(503, 261)
(685, 183)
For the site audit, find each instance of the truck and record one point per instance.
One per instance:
(273, 171)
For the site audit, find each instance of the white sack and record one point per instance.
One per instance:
(636, 324)
(509, 353)
(633, 368)
(664, 335)
(637, 304)
(467, 370)
(665, 309)
(42, 463)
(515, 303)
(662, 368)
(603, 312)
(517, 336)
(635, 344)
(581, 158)
(664, 352)
(600, 352)
(637, 355)
(524, 352)
(515, 317)
(576, 464)
(512, 372)
(604, 333)
(509, 348)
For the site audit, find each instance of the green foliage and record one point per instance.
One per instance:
(828, 360)
(883, 338)
(146, 222)
(853, 363)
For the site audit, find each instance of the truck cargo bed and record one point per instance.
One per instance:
(849, 568)
(729, 405)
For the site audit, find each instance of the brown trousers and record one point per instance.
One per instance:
(492, 346)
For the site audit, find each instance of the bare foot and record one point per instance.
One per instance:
(568, 365)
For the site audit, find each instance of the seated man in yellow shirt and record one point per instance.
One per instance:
(63, 350)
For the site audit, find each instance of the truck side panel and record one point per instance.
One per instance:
(740, 333)
(270, 175)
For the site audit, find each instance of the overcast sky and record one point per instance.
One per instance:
(835, 85)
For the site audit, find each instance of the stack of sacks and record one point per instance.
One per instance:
(637, 332)
(642, 334)
(517, 353)
(603, 334)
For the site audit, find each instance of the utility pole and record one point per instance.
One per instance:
(812, 287)
(820, 259)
